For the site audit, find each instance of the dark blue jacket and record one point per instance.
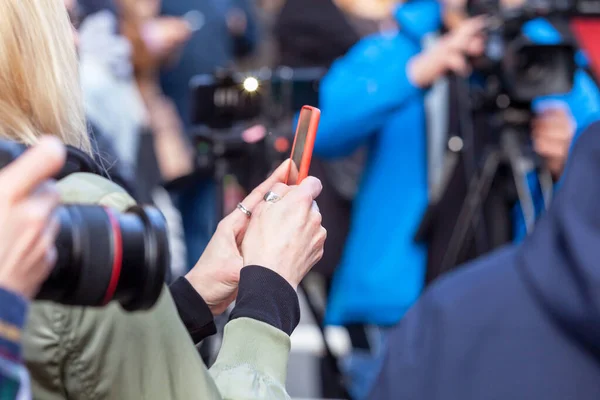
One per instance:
(367, 99)
(521, 323)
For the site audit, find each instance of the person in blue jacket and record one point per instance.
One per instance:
(374, 96)
(521, 323)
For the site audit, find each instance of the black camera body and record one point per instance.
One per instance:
(517, 69)
(221, 99)
(103, 255)
(226, 98)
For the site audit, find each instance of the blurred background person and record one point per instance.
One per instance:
(114, 65)
(221, 31)
(390, 73)
(162, 154)
(112, 100)
(100, 56)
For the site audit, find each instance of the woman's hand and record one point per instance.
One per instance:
(27, 228)
(552, 135)
(216, 275)
(450, 54)
(287, 236)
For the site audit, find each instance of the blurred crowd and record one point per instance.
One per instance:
(384, 146)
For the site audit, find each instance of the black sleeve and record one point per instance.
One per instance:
(193, 310)
(265, 296)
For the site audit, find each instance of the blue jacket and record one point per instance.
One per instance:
(367, 98)
(522, 323)
(583, 103)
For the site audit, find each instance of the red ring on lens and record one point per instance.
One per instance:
(117, 257)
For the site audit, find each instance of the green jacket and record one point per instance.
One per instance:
(83, 353)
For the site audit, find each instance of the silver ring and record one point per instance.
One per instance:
(272, 197)
(243, 209)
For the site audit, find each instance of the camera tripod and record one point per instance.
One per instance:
(494, 175)
(509, 154)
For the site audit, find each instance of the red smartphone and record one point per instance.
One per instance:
(304, 141)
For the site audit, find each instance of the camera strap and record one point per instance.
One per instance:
(78, 161)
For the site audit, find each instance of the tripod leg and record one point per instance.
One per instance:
(479, 187)
(512, 150)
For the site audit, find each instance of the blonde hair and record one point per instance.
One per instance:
(39, 80)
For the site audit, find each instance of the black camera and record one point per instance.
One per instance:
(517, 67)
(523, 69)
(225, 98)
(103, 255)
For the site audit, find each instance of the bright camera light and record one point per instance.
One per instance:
(250, 84)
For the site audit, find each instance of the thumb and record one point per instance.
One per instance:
(306, 192)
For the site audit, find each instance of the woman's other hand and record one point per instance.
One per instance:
(287, 236)
(216, 275)
(27, 228)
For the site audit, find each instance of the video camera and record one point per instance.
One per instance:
(225, 98)
(103, 255)
(518, 68)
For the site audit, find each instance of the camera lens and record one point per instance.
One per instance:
(104, 255)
